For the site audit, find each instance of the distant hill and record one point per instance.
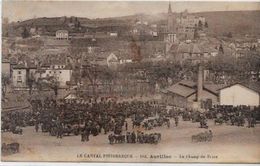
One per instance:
(242, 22)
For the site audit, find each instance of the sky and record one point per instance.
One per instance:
(24, 9)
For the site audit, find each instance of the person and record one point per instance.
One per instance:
(233, 120)
(60, 131)
(203, 123)
(133, 137)
(111, 138)
(141, 139)
(87, 134)
(128, 137)
(249, 120)
(83, 135)
(168, 124)
(126, 126)
(105, 128)
(36, 126)
(176, 120)
(210, 135)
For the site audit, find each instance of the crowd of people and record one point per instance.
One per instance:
(74, 117)
(231, 115)
(90, 117)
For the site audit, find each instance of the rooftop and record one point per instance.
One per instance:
(255, 86)
(194, 48)
(186, 88)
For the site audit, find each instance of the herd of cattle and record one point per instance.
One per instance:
(79, 117)
(202, 137)
(11, 148)
(235, 116)
(140, 137)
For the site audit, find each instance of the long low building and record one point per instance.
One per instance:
(185, 94)
(240, 94)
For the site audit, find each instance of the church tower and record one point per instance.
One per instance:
(170, 37)
(170, 20)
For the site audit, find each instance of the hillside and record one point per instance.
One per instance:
(237, 22)
(242, 22)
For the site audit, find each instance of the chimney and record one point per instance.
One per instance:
(200, 84)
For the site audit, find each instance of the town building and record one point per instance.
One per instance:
(6, 68)
(188, 24)
(192, 52)
(112, 61)
(113, 34)
(190, 94)
(184, 25)
(240, 94)
(62, 35)
(21, 73)
(60, 72)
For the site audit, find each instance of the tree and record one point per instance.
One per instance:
(5, 83)
(196, 34)
(78, 24)
(229, 35)
(31, 81)
(90, 71)
(54, 85)
(206, 25)
(200, 26)
(220, 49)
(47, 83)
(135, 51)
(25, 33)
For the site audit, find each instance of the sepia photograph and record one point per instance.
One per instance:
(130, 81)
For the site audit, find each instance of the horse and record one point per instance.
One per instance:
(219, 121)
(202, 137)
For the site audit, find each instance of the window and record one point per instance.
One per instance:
(49, 72)
(19, 72)
(19, 79)
(60, 72)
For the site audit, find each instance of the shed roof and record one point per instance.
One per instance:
(186, 88)
(62, 31)
(255, 86)
(5, 61)
(181, 90)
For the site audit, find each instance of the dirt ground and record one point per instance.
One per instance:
(229, 144)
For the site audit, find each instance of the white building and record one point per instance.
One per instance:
(19, 78)
(21, 74)
(6, 67)
(62, 34)
(60, 72)
(114, 34)
(240, 94)
(124, 61)
(112, 61)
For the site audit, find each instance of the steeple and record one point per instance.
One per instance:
(170, 20)
(169, 8)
